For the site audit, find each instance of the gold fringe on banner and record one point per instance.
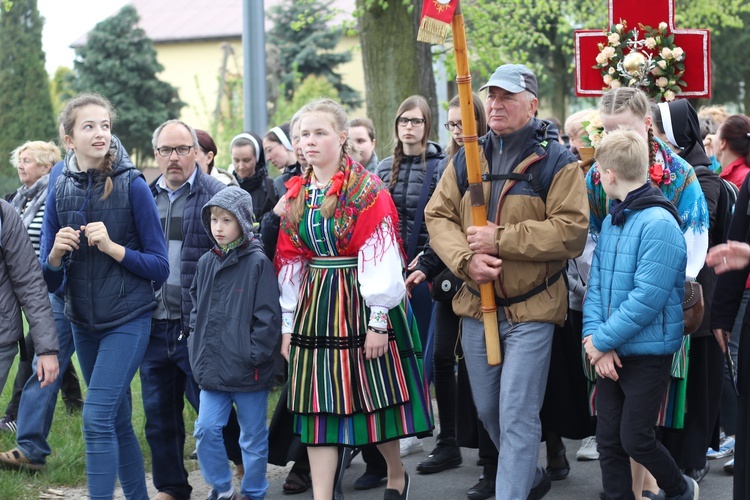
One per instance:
(433, 31)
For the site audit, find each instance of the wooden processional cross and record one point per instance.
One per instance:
(695, 43)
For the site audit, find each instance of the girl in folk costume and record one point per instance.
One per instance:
(355, 367)
(627, 107)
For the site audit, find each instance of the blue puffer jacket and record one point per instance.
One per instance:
(195, 240)
(634, 298)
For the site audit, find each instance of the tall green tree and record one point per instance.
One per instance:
(61, 88)
(25, 105)
(396, 65)
(119, 62)
(301, 43)
(730, 48)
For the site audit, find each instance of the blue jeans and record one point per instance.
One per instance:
(510, 410)
(166, 380)
(37, 406)
(251, 413)
(109, 360)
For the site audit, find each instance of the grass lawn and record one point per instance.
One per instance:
(66, 466)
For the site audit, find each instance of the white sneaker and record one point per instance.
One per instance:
(726, 449)
(587, 451)
(410, 445)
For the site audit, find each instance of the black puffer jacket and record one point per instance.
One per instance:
(411, 177)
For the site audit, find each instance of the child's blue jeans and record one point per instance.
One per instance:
(252, 408)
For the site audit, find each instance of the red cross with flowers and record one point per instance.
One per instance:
(695, 43)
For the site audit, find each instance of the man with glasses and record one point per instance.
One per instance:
(180, 193)
(538, 219)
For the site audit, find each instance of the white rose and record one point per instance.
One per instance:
(678, 53)
(662, 64)
(650, 42)
(609, 52)
(601, 59)
(661, 82)
(657, 71)
(611, 70)
(618, 28)
(669, 96)
(662, 26)
(615, 84)
(613, 39)
(607, 79)
(666, 53)
(595, 120)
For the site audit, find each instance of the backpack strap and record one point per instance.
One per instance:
(531, 175)
(503, 302)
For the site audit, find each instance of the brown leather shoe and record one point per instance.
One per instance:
(164, 496)
(16, 460)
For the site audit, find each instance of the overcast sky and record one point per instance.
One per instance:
(65, 21)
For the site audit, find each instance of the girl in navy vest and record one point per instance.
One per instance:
(103, 231)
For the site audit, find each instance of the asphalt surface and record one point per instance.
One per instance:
(584, 481)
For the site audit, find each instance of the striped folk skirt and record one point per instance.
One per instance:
(338, 396)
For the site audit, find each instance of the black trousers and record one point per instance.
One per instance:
(444, 370)
(626, 411)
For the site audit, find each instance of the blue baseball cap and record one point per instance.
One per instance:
(514, 78)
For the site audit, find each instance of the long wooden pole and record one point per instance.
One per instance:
(478, 208)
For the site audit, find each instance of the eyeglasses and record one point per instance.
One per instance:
(415, 122)
(449, 126)
(181, 150)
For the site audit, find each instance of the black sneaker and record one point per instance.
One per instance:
(8, 424)
(441, 458)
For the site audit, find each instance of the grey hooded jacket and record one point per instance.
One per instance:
(22, 286)
(235, 324)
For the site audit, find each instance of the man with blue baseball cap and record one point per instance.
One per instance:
(537, 216)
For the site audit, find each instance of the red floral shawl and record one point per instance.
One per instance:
(364, 203)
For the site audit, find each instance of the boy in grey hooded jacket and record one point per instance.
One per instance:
(235, 330)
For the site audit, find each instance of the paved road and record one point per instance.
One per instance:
(582, 483)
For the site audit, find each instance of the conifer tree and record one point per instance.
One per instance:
(25, 104)
(303, 39)
(119, 62)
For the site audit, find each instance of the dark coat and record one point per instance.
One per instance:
(411, 177)
(235, 323)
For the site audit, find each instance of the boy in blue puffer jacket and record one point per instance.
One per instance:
(632, 318)
(235, 334)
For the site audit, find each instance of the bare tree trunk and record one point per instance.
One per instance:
(396, 65)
